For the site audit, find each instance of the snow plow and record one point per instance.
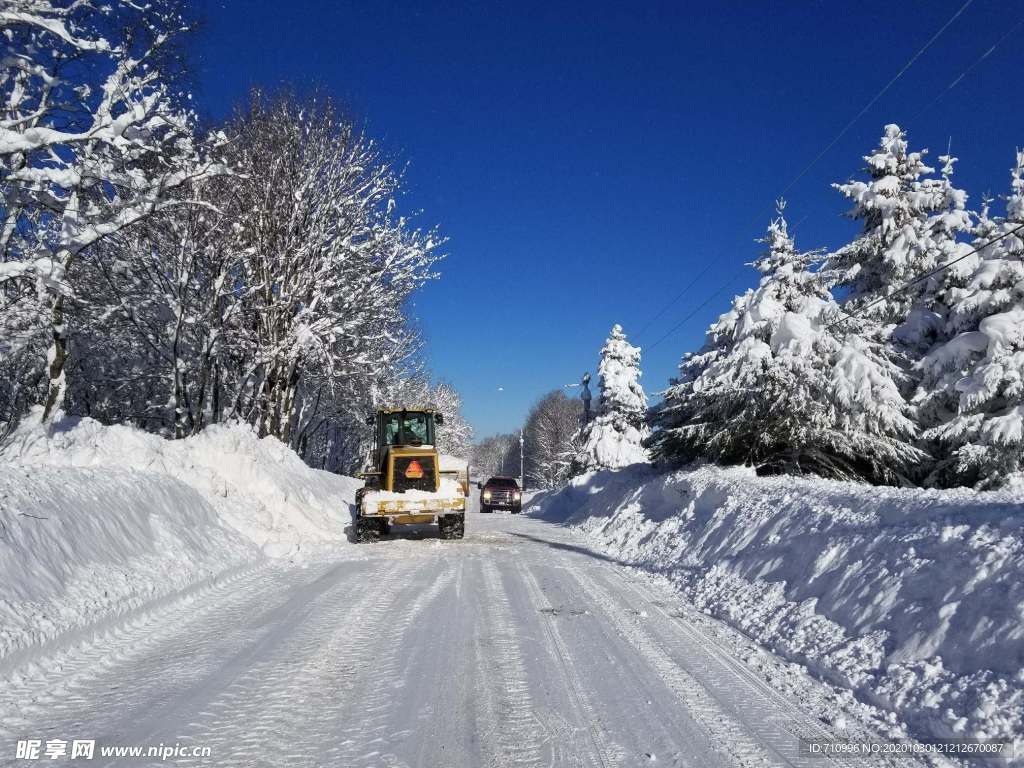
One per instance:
(407, 481)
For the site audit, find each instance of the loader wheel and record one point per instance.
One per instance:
(452, 526)
(368, 529)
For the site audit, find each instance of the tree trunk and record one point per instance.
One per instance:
(215, 395)
(291, 385)
(56, 359)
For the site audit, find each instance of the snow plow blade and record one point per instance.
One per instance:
(403, 507)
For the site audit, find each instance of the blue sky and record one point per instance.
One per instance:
(588, 161)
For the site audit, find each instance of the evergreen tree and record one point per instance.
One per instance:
(615, 437)
(780, 386)
(910, 226)
(972, 392)
(678, 436)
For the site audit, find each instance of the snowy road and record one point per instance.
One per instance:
(517, 646)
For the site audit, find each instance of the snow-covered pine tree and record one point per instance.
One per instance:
(972, 393)
(676, 436)
(910, 226)
(615, 437)
(781, 386)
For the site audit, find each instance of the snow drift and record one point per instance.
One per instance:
(912, 598)
(97, 520)
(80, 546)
(261, 488)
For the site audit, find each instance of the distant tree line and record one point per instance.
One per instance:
(550, 440)
(155, 274)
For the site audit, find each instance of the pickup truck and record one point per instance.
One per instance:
(501, 493)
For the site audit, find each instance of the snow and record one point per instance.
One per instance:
(97, 520)
(451, 463)
(543, 651)
(449, 489)
(78, 545)
(910, 598)
(1004, 330)
(260, 487)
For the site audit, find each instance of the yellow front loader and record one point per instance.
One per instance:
(405, 482)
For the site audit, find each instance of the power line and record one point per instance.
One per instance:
(665, 308)
(698, 308)
(877, 96)
(969, 69)
(814, 162)
(921, 278)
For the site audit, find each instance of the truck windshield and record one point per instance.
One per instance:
(408, 428)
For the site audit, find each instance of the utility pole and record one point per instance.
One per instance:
(522, 463)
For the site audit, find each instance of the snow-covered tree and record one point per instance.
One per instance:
(277, 294)
(496, 455)
(162, 298)
(92, 142)
(910, 227)
(972, 393)
(551, 439)
(781, 386)
(675, 438)
(614, 438)
(328, 263)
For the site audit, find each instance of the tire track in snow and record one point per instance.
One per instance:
(725, 731)
(288, 702)
(601, 753)
(512, 738)
(776, 720)
(53, 683)
(370, 734)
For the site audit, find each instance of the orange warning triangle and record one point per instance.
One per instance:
(414, 471)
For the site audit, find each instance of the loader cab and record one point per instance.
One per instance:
(414, 428)
(402, 428)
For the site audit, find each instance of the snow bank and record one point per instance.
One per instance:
(912, 598)
(81, 545)
(96, 521)
(261, 488)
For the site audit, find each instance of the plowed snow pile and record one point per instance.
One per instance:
(912, 598)
(97, 520)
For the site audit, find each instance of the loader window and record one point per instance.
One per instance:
(416, 429)
(408, 429)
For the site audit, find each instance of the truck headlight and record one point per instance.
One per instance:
(487, 494)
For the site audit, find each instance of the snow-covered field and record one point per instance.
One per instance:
(913, 599)
(97, 521)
